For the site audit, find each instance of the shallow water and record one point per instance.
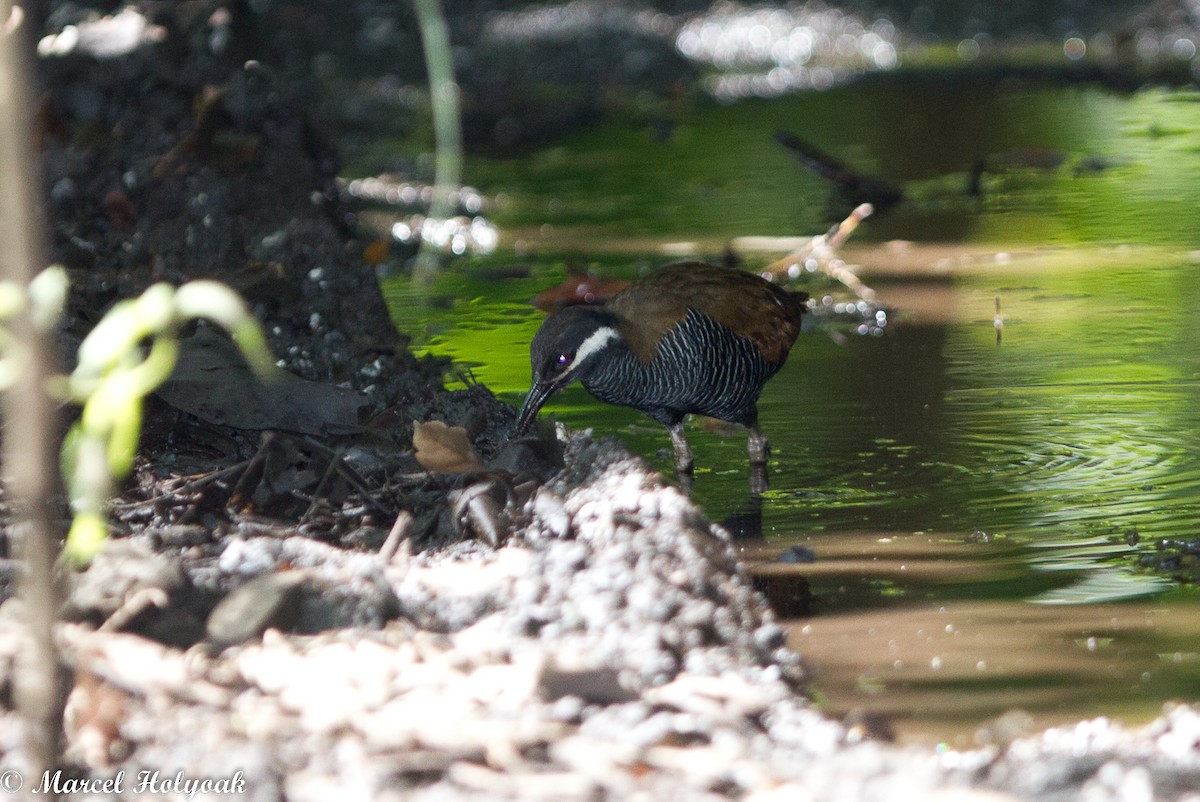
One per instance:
(974, 485)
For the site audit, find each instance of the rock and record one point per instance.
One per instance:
(271, 600)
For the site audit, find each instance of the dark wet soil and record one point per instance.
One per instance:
(172, 164)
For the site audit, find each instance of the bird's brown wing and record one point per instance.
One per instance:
(764, 313)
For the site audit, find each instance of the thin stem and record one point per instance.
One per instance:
(447, 124)
(30, 455)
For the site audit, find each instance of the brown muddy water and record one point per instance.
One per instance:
(970, 499)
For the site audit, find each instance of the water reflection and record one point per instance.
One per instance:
(924, 631)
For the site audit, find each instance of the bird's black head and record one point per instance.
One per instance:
(567, 347)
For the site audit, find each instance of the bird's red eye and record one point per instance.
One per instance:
(560, 363)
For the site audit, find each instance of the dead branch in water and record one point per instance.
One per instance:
(818, 254)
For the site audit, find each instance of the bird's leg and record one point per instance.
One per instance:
(759, 449)
(683, 452)
(758, 446)
(758, 480)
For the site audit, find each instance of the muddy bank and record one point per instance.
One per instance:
(306, 606)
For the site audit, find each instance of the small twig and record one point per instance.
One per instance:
(397, 537)
(349, 474)
(331, 467)
(245, 468)
(838, 234)
(821, 249)
(465, 375)
(998, 321)
(264, 445)
(138, 601)
(190, 485)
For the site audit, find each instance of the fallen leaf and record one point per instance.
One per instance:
(94, 713)
(580, 289)
(377, 251)
(445, 449)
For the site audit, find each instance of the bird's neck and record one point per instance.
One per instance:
(620, 377)
(613, 365)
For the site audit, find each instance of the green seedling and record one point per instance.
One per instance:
(127, 356)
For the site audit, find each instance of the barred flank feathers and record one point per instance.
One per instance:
(701, 367)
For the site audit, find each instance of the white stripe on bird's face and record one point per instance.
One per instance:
(595, 342)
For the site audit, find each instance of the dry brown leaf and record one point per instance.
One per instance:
(445, 449)
(93, 717)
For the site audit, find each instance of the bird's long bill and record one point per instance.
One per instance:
(538, 394)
